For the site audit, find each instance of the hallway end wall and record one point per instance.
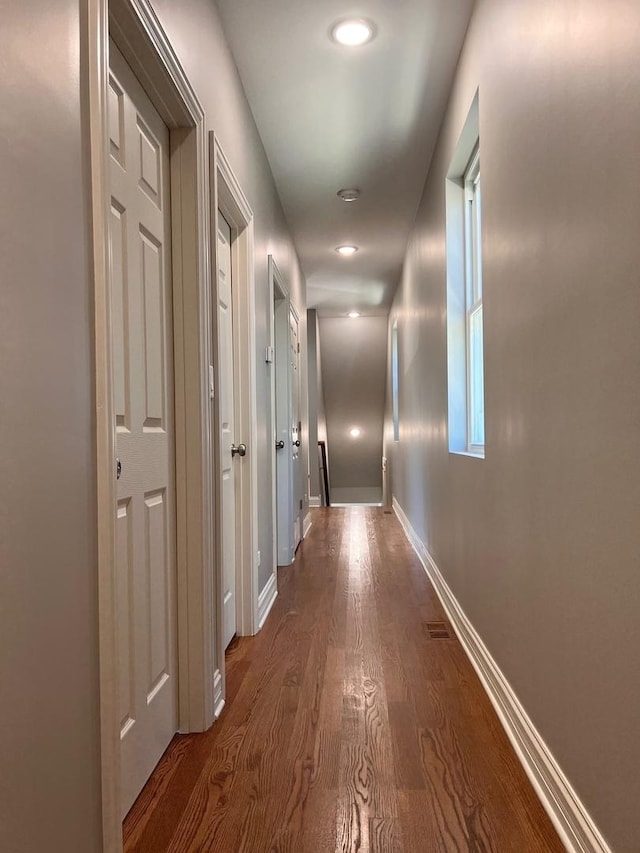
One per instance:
(539, 541)
(353, 354)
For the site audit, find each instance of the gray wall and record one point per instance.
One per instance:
(49, 734)
(321, 404)
(49, 731)
(540, 541)
(195, 31)
(317, 415)
(312, 376)
(353, 373)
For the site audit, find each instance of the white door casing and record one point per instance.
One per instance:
(154, 62)
(227, 429)
(288, 522)
(228, 198)
(282, 398)
(295, 426)
(277, 295)
(142, 354)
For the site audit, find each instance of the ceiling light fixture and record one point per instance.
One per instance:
(353, 314)
(346, 250)
(353, 32)
(354, 432)
(349, 195)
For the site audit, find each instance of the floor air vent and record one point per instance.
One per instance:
(438, 630)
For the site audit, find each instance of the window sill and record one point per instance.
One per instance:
(475, 455)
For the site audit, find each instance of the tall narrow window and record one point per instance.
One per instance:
(473, 306)
(465, 321)
(394, 382)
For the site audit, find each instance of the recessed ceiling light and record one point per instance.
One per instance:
(353, 32)
(353, 314)
(349, 195)
(346, 250)
(354, 432)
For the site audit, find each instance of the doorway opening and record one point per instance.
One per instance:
(287, 427)
(233, 404)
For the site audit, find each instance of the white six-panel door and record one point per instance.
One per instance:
(141, 294)
(227, 429)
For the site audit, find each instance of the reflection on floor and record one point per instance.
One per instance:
(354, 722)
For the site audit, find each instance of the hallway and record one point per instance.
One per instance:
(347, 727)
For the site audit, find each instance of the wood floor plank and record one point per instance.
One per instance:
(350, 727)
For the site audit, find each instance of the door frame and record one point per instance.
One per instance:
(284, 553)
(227, 196)
(296, 491)
(138, 34)
(277, 290)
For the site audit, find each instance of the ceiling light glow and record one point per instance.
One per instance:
(353, 32)
(349, 195)
(346, 250)
(353, 314)
(354, 432)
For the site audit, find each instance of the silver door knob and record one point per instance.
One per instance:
(240, 450)
(279, 444)
(297, 443)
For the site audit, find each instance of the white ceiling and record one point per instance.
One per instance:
(333, 117)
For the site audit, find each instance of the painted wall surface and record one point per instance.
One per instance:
(50, 780)
(317, 413)
(353, 370)
(322, 406)
(540, 540)
(49, 719)
(195, 31)
(314, 403)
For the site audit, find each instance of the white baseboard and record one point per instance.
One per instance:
(266, 599)
(314, 500)
(358, 504)
(218, 701)
(306, 527)
(570, 818)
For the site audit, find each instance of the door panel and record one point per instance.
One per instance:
(157, 579)
(153, 277)
(118, 240)
(124, 545)
(227, 429)
(141, 298)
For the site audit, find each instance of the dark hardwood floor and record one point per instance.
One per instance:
(350, 724)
